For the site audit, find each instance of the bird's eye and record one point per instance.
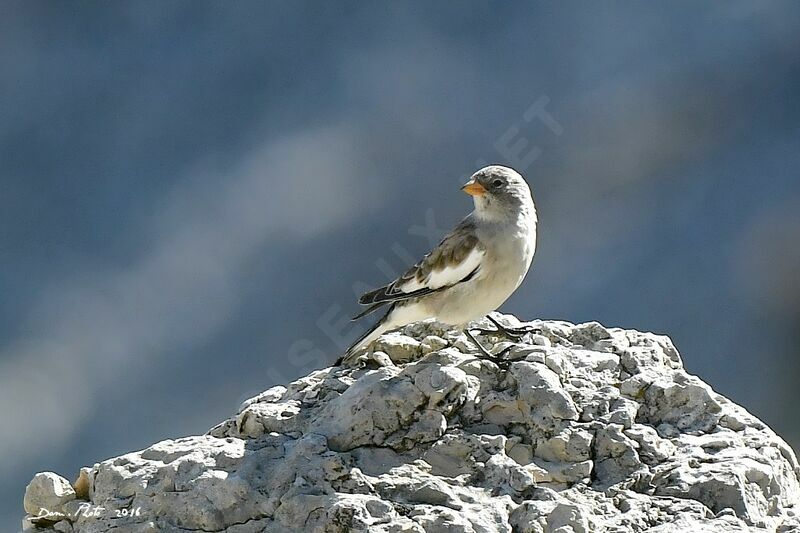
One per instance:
(497, 183)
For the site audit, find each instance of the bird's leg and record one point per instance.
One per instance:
(513, 333)
(510, 333)
(496, 359)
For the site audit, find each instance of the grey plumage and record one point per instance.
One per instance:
(475, 268)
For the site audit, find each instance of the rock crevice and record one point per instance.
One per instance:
(586, 429)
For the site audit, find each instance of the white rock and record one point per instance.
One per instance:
(541, 391)
(270, 395)
(591, 429)
(47, 493)
(432, 343)
(63, 527)
(400, 348)
(571, 444)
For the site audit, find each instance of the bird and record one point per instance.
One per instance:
(471, 272)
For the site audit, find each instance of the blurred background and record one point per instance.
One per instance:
(191, 193)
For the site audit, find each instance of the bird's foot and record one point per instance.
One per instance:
(498, 358)
(508, 332)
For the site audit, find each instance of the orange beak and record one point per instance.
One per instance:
(473, 188)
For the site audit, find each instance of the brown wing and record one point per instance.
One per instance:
(455, 260)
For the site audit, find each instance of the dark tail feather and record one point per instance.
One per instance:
(366, 334)
(371, 297)
(368, 310)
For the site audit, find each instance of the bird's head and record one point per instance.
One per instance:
(499, 192)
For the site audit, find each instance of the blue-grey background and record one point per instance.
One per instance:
(191, 192)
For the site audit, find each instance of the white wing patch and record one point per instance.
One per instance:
(449, 275)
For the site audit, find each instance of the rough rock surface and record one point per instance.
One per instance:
(587, 429)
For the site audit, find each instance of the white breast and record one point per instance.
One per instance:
(503, 268)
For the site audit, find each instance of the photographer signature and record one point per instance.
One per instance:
(88, 510)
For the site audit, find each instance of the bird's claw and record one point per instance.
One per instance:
(515, 334)
(509, 332)
(498, 358)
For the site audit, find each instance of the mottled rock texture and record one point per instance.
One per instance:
(586, 429)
